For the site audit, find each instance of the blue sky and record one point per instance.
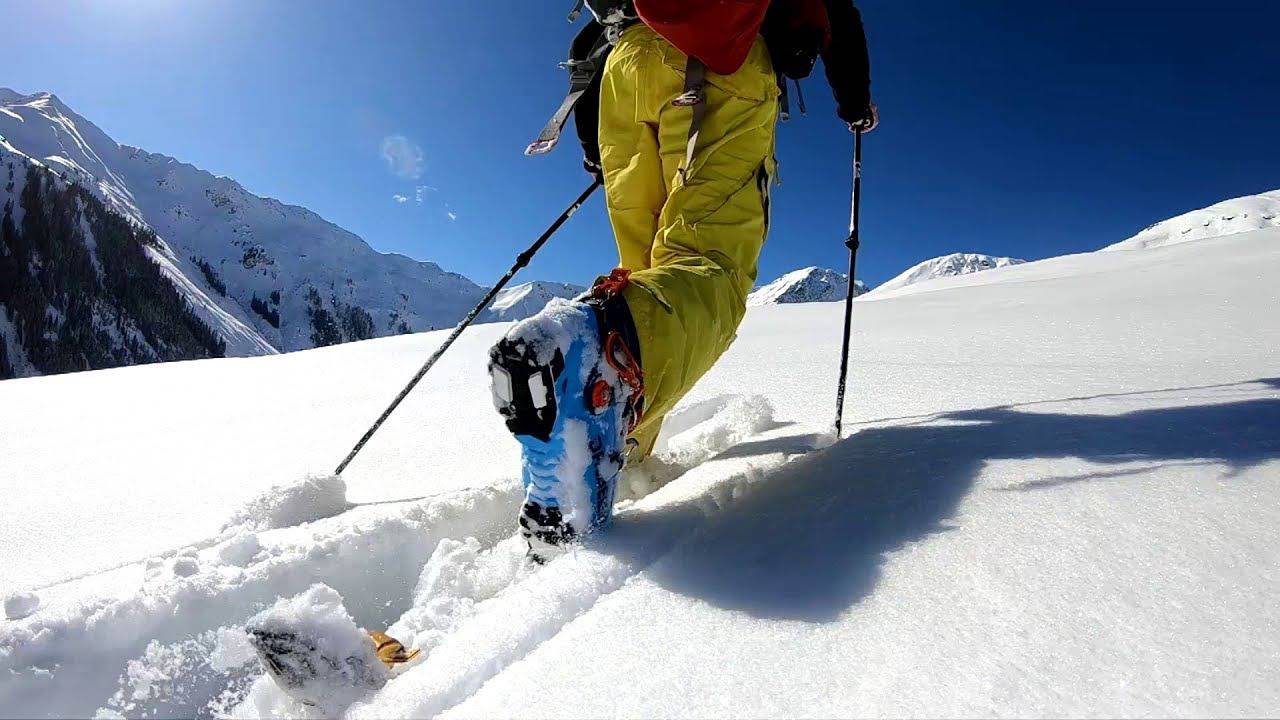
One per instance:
(1014, 128)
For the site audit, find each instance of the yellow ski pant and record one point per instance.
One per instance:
(691, 239)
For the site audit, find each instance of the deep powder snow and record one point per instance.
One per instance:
(1059, 497)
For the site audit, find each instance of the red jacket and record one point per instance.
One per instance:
(720, 33)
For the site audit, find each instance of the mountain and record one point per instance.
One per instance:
(1242, 214)
(946, 266)
(28, 123)
(1059, 495)
(521, 301)
(265, 276)
(79, 286)
(811, 284)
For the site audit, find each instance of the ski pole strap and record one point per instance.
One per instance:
(694, 96)
(581, 74)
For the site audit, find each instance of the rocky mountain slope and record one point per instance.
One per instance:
(1229, 217)
(946, 266)
(811, 284)
(521, 301)
(79, 288)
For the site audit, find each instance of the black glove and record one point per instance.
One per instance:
(866, 121)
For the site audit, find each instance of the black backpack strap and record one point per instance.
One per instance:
(582, 71)
(800, 98)
(695, 97)
(784, 98)
(784, 102)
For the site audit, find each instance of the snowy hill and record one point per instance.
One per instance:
(811, 284)
(265, 275)
(946, 266)
(1229, 217)
(1068, 509)
(521, 301)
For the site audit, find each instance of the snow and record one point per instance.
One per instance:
(374, 553)
(694, 435)
(522, 301)
(241, 339)
(213, 664)
(224, 434)
(185, 566)
(20, 604)
(313, 498)
(555, 330)
(1058, 496)
(811, 284)
(946, 266)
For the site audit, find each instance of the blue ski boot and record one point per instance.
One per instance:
(569, 384)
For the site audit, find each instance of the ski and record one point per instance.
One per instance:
(313, 650)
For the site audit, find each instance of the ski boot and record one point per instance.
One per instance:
(569, 384)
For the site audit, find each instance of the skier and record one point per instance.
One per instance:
(679, 122)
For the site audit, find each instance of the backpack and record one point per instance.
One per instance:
(797, 32)
(606, 12)
(714, 34)
(720, 33)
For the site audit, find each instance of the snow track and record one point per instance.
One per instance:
(445, 573)
(504, 629)
(372, 555)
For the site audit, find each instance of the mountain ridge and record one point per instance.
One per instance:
(521, 301)
(1228, 217)
(267, 275)
(950, 265)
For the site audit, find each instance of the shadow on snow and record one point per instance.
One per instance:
(808, 542)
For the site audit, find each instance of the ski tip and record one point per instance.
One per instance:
(391, 651)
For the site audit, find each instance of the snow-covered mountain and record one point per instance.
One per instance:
(1242, 214)
(82, 287)
(521, 301)
(265, 275)
(1064, 509)
(946, 266)
(811, 284)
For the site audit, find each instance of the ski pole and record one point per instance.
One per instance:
(521, 261)
(852, 243)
